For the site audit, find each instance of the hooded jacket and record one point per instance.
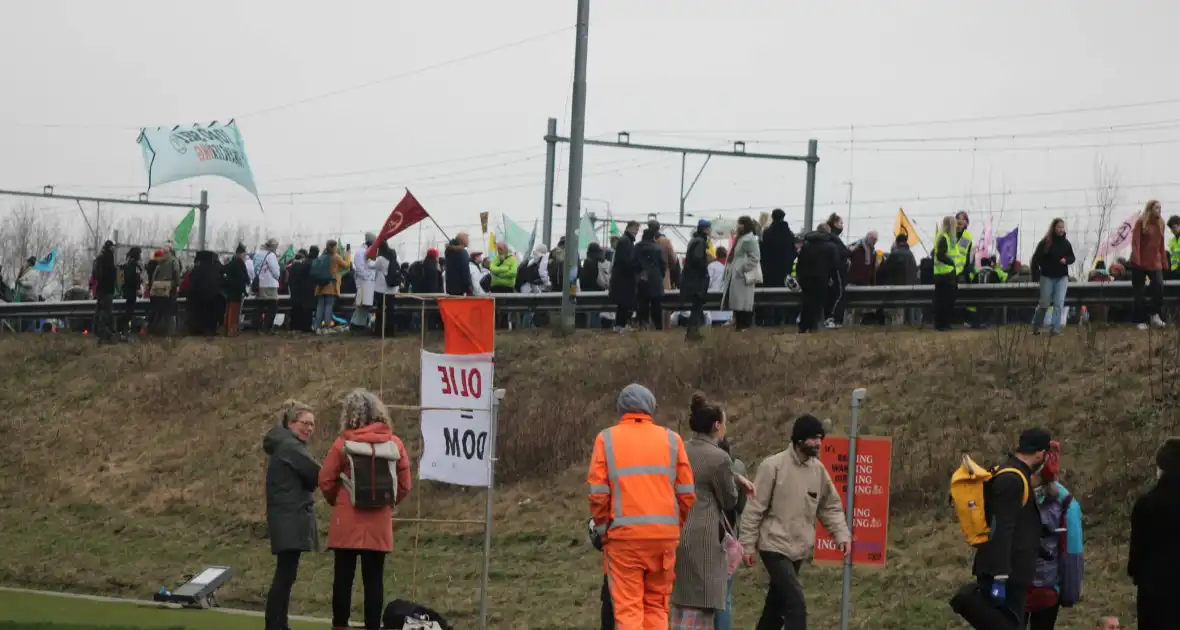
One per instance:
(106, 274)
(1046, 259)
(622, 273)
(694, 281)
(458, 271)
(291, 478)
(365, 529)
(778, 253)
(820, 258)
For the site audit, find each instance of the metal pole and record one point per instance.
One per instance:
(683, 165)
(497, 396)
(809, 200)
(97, 227)
(848, 221)
(858, 396)
(577, 145)
(204, 210)
(550, 167)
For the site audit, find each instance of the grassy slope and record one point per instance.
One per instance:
(125, 466)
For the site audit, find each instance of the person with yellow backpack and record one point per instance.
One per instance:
(1003, 524)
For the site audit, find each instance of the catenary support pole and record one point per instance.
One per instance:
(577, 145)
(203, 211)
(858, 396)
(683, 166)
(497, 396)
(550, 167)
(809, 200)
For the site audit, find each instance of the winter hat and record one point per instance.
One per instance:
(806, 427)
(636, 398)
(432, 252)
(704, 223)
(1168, 457)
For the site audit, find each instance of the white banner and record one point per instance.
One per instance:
(456, 381)
(178, 153)
(455, 447)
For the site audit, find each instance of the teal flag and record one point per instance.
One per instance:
(182, 232)
(518, 238)
(585, 235)
(287, 256)
(48, 263)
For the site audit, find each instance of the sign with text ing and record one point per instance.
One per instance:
(456, 381)
(870, 518)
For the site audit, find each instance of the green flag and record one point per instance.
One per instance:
(585, 235)
(287, 255)
(614, 228)
(182, 232)
(517, 237)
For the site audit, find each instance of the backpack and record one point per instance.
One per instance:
(1071, 566)
(321, 270)
(404, 615)
(968, 490)
(528, 274)
(373, 483)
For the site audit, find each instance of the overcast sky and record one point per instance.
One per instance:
(341, 106)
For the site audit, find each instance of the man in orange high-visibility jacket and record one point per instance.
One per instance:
(641, 490)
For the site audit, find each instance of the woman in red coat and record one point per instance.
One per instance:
(357, 532)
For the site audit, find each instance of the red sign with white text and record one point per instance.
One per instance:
(870, 519)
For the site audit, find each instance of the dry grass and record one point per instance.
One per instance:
(124, 466)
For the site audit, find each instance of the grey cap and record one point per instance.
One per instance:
(370, 237)
(637, 398)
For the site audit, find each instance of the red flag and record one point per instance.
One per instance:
(408, 212)
(469, 325)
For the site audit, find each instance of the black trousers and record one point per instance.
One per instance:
(1045, 619)
(278, 600)
(814, 301)
(623, 316)
(836, 301)
(104, 317)
(743, 319)
(372, 578)
(129, 319)
(384, 319)
(1157, 609)
(650, 310)
(696, 313)
(785, 605)
(945, 291)
(608, 608)
(1140, 311)
(1016, 597)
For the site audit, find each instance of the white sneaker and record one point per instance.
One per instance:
(831, 324)
(1141, 326)
(1157, 322)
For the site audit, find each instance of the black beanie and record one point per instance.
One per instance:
(1168, 457)
(807, 426)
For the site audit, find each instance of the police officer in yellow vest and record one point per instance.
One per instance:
(946, 273)
(1174, 247)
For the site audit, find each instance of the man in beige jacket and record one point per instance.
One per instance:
(792, 489)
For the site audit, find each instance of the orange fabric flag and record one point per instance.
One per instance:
(469, 325)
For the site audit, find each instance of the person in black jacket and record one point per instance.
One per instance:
(1006, 564)
(622, 277)
(458, 267)
(204, 294)
(132, 281)
(1155, 549)
(835, 307)
(778, 259)
(302, 290)
(235, 281)
(819, 260)
(1050, 267)
(649, 267)
(694, 280)
(106, 278)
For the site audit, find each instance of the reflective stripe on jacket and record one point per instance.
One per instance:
(962, 250)
(641, 485)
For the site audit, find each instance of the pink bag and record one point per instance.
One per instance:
(733, 549)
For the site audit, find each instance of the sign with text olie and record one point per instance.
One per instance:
(469, 325)
(870, 519)
(457, 381)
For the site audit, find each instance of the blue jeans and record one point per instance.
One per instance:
(723, 620)
(323, 311)
(1052, 290)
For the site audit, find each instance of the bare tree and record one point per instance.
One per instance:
(1097, 227)
(25, 233)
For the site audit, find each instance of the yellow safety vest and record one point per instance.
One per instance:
(952, 252)
(1174, 252)
(962, 247)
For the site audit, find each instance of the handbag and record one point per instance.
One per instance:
(733, 548)
(753, 276)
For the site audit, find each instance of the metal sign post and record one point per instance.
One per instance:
(858, 396)
(497, 396)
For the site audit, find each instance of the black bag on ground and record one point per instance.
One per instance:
(977, 609)
(403, 615)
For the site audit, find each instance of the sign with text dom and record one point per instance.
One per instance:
(870, 519)
(455, 447)
(456, 381)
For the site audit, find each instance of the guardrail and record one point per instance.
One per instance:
(1017, 294)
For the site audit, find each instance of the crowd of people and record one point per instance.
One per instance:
(636, 269)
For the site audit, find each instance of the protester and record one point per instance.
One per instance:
(946, 277)
(106, 277)
(819, 260)
(791, 490)
(165, 280)
(458, 267)
(1005, 565)
(777, 248)
(291, 480)
(862, 268)
(267, 274)
(302, 290)
(623, 277)
(26, 282)
(745, 271)
(203, 294)
(1149, 258)
(694, 281)
(1155, 548)
(1174, 248)
(638, 518)
(900, 268)
(503, 268)
(724, 618)
(594, 275)
(1050, 265)
(235, 280)
(359, 530)
(649, 268)
(384, 288)
(1057, 581)
(702, 570)
(132, 281)
(326, 272)
(834, 311)
(365, 286)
